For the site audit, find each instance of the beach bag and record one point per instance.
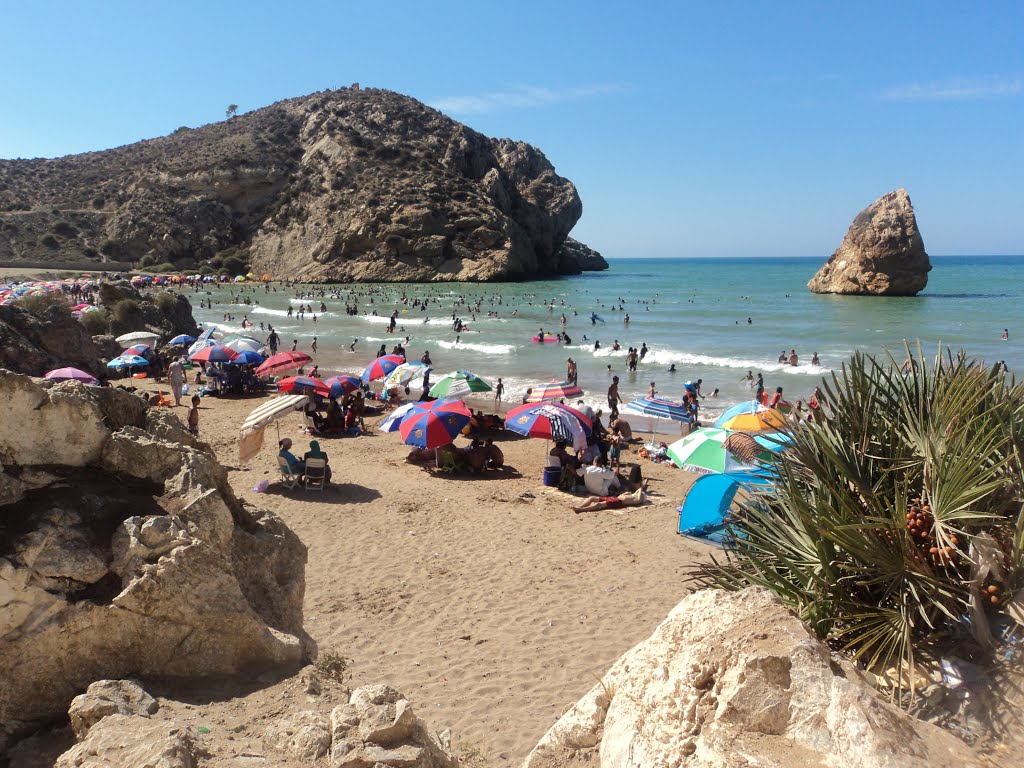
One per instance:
(636, 476)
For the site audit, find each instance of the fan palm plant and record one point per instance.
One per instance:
(894, 528)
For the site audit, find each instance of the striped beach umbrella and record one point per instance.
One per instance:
(703, 451)
(342, 384)
(214, 354)
(381, 367)
(394, 419)
(550, 421)
(459, 384)
(765, 420)
(432, 424)
(283, 361)
(181, 339)
(553, 390)
(658, 408)
(303, 384)
(248, 357)
(405, 373)
(137, 349)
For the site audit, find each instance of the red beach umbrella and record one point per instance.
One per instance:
(301, 384)
(382, 366)
(429, 425)
(283, 361)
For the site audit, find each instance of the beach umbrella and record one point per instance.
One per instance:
(244, 343)
(403, 375)
(553, 390)
(283, 361)
(381, 367)
(128, 361)
(342, 384)
(248, 357)
(551, 421)
(215, 354)
(137, 349)
(459, 384)
(703, 451)
(250, 436)
(656, 414)
(200, 344)
(303, 384)
(208, 333)
(760, 421)
(181, 339)
(432, 424)
(70, 374)
(741, 408)
(394, 419)
(143, 336)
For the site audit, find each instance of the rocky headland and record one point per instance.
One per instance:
(345, 185)
(882, 254)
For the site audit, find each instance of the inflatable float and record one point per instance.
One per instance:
(547, 339)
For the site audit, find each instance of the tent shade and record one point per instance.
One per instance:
(702, 515)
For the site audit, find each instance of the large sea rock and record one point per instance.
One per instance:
(350, 184)
(124, 552)
(735, 679)
(882, 254)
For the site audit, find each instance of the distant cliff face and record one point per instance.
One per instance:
(340, 185)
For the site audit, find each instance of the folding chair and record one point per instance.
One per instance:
(316, 473)
(289, 478)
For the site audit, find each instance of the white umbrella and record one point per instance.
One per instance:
(244, 344)
(250, 436)
(138, 336)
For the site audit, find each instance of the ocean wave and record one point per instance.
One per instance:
(487, 349)
(670, 356)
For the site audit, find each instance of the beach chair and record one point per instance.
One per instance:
(289, 478)
(316, 474)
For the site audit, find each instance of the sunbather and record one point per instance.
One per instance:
(595, 503)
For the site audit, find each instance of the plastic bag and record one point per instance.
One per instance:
(261, 486)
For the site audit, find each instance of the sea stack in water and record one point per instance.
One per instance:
(882, 254)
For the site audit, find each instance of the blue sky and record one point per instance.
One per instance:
(710, 129)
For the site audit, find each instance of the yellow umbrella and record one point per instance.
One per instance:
(762, 421)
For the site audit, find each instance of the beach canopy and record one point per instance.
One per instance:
(283, 361)
(250, 436)
(181, 339)
(709, 499)
(381, 367)
(394, 419)
(704, 451)
(128, 361)
(342, 384)
(433, 424)
(550, 421)
(553, 390)
(70, 374)
(459, 384)
(128, 338)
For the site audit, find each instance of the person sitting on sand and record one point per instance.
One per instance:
(314, 452)
(599, 479)
(494, 455)
(595, 503)
(295, 464)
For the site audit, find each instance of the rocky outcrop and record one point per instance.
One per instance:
(109, 697)
(575, 257)
(735, 679)
(164, 313)
(51, 338)
(124, 741)
(352, 184)
(123, 552)
(882, 254)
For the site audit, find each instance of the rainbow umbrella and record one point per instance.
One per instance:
(302, 384)
(429, 425)
(553, 390)
(342, 384)
(459, 384)
(283, 361)
(215, 354)
(71, 374)
(551, 421)
(381, 367)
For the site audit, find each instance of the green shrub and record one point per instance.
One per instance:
(50, 241)
(235, 265)
(165, 301)
(65, 229)
(96, 323)
(99, 201)
(914, 472)
(126, 311)
(110, 247)
(165, 267)
(39, 305)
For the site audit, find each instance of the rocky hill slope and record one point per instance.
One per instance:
(339, 185)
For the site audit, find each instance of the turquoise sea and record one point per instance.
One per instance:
(690, 312)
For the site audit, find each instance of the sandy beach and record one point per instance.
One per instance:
(484, 598)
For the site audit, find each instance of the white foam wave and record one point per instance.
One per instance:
(670, 356)
(487, 349)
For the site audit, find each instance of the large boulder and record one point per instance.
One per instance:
(575, 257)
(123, 552)
(109, 697)
(882, 254)
(735, 679)
(126, 741)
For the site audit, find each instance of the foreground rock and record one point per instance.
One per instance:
(882, 254)
(109, 697)
(575, 257)
(124, 741)
(734, 679)
(123, 552)
(351, 184)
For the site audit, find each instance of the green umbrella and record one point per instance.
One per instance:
(459, 384)
(703, 451)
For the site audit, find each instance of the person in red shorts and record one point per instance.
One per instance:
(595, 503)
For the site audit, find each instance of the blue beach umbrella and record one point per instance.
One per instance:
(658, 408)
(745, 407)
(248, 357)
(182, 339)
(394, 419)
(128, 361)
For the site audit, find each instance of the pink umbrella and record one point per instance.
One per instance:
(71, 374)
